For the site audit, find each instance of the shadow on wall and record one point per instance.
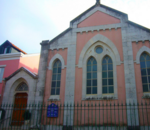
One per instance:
(29, 68)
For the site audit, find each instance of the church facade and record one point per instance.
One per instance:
(101, 57)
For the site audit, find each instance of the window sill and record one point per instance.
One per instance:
(98, 97)
(146, 96)
(54, 98)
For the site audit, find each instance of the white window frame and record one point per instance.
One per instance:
(50, 67)
(99, 57)
(1, 76)
(56, 79)
(138, 55)
(5, 50)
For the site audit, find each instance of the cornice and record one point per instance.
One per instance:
(97, 28)
(10, 56)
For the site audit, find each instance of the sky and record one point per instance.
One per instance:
(26, 23)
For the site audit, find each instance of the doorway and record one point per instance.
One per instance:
(20, 104)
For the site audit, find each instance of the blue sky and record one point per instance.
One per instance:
(26, 23)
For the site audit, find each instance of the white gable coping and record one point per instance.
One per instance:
(97, 8)
(57, 56)
(98, 28)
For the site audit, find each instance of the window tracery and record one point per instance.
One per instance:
(22, 87)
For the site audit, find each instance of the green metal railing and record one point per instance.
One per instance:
(92, 115)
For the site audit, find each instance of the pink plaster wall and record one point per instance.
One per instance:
(136, 47)
(120, 84)
(113, 35)
(48, 85)
(30, 62)
(48, 80)
(63, 53)
(143, 113)
(11, 66)
(98, 18)
(116, 37)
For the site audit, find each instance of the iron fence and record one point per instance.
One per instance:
(92, 115)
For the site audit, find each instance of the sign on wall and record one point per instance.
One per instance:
(52, 110)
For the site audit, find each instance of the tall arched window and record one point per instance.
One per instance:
(91, 76)
(145, 71)
(56, 78)
(107, 76)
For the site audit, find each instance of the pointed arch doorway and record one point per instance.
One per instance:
(20, 104)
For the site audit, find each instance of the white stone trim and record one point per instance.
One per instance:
(99, 57)
(57, 56)
(143, 40)
(97, 28)
(10, 56)
(2, 66)
(142, 49)
(74, 25)
(12, 84)
(10, 88)
(54, 97)
(28, 55)
(59, 47)
(106, 41)
(146, 95)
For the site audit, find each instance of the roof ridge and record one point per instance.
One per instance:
(14, 46)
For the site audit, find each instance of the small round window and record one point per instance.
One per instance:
(99, 50)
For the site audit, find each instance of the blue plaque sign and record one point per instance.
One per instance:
(52, 110)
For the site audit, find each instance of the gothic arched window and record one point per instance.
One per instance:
(107, 76)
(91, 76)
(145, 71)
(56, 78)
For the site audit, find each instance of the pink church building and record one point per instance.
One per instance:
(102, 59)
(12, 59)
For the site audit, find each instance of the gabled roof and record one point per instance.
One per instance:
(35, 76)
(61, 34)
(78, 17)
(17, 48)
(111, 9)
(85, 12)
(139, 26)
